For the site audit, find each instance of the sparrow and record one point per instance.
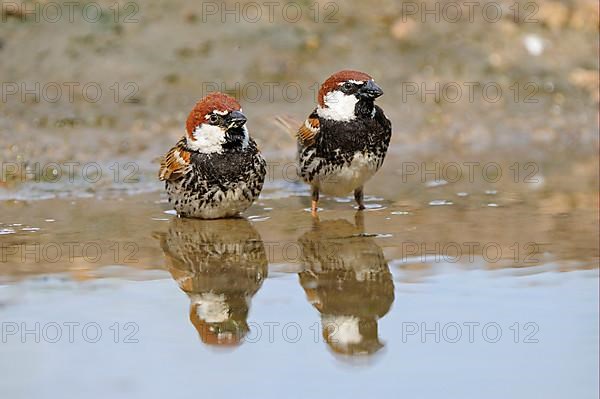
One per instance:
(343, 142)
(220, 265)
(215, 170)
(347, 279)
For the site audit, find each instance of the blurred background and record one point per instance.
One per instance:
(505, 93)
(117, 79)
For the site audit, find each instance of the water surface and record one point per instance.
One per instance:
(457, 300)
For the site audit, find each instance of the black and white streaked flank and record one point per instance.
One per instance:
(345, 139)
(216, 170)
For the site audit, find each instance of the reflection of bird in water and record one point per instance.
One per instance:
(348, 280)
(220, 265)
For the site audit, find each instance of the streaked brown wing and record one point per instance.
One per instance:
(309, 130)
(176, 163)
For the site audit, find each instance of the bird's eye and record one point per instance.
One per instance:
(214, 118)
(348, 86)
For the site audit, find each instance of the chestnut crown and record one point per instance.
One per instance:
(215, 109)
(348, 81)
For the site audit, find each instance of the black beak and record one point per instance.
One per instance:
(236, 119)
(370, 90)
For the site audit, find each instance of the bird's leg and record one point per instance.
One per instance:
(358, 197)
(359, 221)
(315, 201)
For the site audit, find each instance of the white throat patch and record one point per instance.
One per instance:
(345, 329)
(211, 308)
(338, 106)
(209, 139)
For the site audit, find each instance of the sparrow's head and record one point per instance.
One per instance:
(219, 319)
(215, 123)
(350, 335)
(346, 94)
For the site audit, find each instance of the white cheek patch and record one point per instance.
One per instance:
(338, 106)
(208, 139)
(211, 308)
(344, 329)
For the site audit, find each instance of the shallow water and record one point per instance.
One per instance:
(160, 351)
(438, 295)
